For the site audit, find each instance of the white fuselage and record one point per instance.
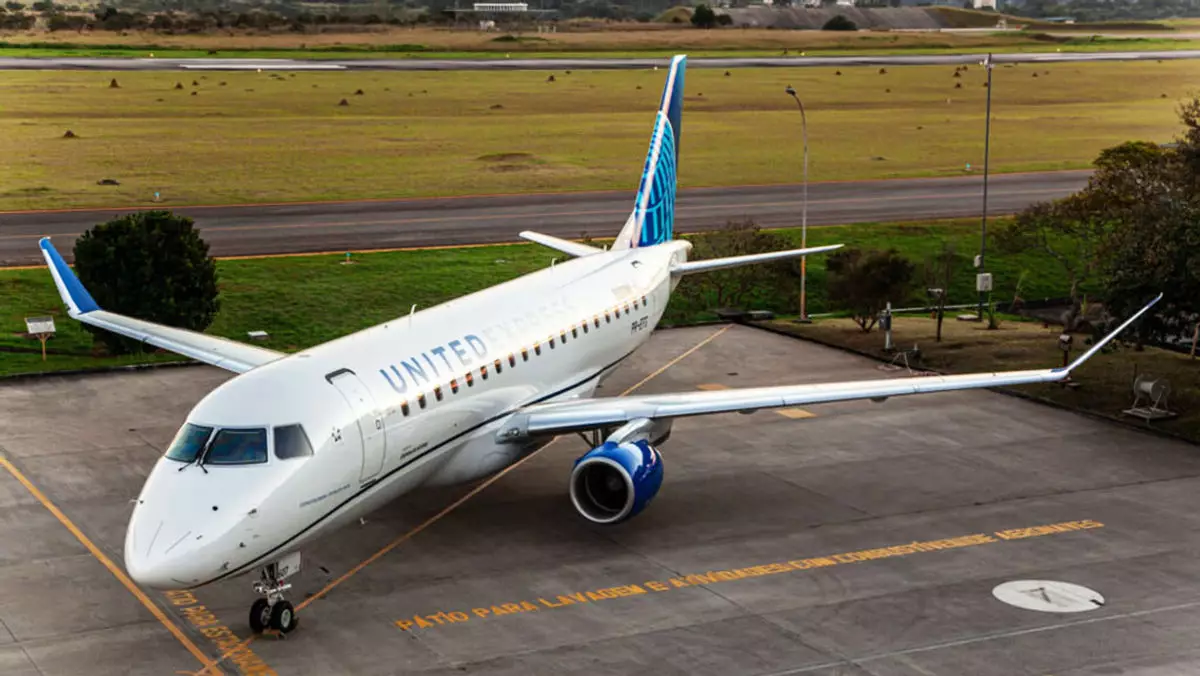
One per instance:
(413, 402)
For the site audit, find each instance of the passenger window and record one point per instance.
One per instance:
(584, 324)
(626, 307)
(421, 400)
(512, 360)
(404, 408)
(635, 304)
(292, 442)
(189, 442)
(574, 332)
(454, 386)
(617, 312)
(483, 371)
(607, 317)
(437, 392)
(551, 342)
(596, 319)
(537, 349)
(644, 303)
(237, 447)
(563, 334)
(499, 368)
(470, 380)
(524, 354)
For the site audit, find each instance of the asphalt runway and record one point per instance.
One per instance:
(62, 63)
(761, 556)
(387, 224)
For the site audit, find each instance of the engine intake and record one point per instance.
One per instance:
(614, 482)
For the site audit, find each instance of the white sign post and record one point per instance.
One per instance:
(41, 328)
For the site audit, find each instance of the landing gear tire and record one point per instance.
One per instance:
(261, 616)
(283, 617)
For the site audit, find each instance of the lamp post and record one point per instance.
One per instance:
(803, 211)
(987, 137)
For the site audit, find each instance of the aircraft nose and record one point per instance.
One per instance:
(160, 555)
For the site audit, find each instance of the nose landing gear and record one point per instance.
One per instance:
(273, 611)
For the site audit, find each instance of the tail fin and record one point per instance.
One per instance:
(653, 218)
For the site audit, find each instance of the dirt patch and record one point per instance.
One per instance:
(507, 157)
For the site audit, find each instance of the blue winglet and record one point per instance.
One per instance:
(77, 298)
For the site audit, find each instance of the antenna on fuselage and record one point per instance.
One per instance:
(412, 311)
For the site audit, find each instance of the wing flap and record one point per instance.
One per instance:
(220, 352)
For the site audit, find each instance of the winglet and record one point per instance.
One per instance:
(1105, 340)
(77, 298)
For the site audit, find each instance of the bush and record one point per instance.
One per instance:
(150, 265)
(864, 283)
(704, 17)
(839, 23)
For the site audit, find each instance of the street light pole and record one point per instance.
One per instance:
(803, 211)
(987, 138)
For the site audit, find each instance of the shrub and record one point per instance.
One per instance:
(152, 265)
(839, 23)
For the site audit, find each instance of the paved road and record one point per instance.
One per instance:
(298, 228)
(579, 64)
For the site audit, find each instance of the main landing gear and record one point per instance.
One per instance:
(272, 611)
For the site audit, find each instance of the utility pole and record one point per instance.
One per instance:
(987, 138)
(803, 211)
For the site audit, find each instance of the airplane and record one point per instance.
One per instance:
(297, 446)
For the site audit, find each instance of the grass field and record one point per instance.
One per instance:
(281, 137)
(322, 299)
(1106, 379)
(629, 40)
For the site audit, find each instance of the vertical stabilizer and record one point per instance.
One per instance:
(653, 218)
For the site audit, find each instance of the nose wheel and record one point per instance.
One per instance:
(272, 611)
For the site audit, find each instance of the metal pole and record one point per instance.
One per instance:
(987, 138)
(803, 212)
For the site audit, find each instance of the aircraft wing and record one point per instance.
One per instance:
(221, 352)
(589, 414)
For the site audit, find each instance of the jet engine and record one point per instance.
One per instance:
(615, 481)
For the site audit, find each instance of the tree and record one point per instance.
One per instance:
(1070, 232)
(1149, 198)
(864, 283)
(839, 23)
(151, 265)
(704, 17)
(737, 287)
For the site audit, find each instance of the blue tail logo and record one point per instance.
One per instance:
(653, 218)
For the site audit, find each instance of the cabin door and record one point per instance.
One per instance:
(369, 419)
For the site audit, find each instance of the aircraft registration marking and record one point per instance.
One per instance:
(650, 587)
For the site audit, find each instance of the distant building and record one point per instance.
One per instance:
(501, 7)
(983, 4)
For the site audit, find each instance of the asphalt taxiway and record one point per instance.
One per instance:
(543, 63)
(384, 224)
(852, 539)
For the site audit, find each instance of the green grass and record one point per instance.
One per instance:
(268, 137)
(300, 302)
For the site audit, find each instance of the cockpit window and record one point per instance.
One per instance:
(189, 442)
(237, 447)
(292, 442)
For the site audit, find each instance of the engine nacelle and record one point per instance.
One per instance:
(614, 482)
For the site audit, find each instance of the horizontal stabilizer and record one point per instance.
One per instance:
(220, 352)
(564, 245)
(692, 267)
